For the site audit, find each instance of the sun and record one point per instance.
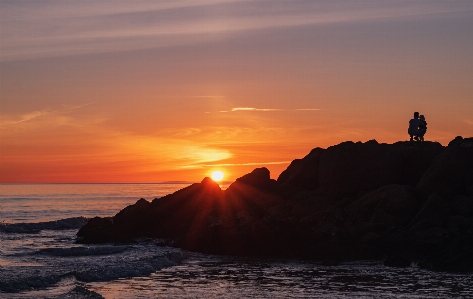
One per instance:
(217, 175)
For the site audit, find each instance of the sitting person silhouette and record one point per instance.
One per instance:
(422, 127)
(413, 129)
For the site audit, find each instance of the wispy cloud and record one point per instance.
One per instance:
(51, 113)
(197, 165)
(32, 29)
(469, 122)
(250, 109)
(247, 164)
(253, 109)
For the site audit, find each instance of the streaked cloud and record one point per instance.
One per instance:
(250, 109)
(253, 109)
(247, 164)
(49, 113)
(32, 29)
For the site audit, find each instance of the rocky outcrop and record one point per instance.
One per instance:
(102, 230)
(408, 201)
(303, 173)
(450, 174)
(350, 168)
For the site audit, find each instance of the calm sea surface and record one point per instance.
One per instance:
(39, 258)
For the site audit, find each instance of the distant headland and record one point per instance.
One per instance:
(403, 202)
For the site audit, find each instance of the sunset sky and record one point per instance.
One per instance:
(148, 91)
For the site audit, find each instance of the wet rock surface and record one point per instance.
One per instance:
(401, 202)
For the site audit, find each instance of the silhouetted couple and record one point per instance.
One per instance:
(417, 127)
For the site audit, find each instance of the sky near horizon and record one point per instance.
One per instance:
(148, 91)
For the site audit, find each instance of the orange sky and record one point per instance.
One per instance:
(99, 91)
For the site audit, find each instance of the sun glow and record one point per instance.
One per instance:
(217, 175)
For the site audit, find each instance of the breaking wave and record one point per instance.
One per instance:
(131, 262)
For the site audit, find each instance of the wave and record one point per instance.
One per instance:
(29, 228)
(135, 268)
(28, 283)
(95, 270)
(83, 251)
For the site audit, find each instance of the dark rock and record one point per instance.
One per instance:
(259, 179)
(460, 141)
(459, 224)
(397, 201)
(435, 210)
(330, 262)
(415, 158)
(452, 260)
(463, 206)
(134, 217)
(429, 241)
(305, 207)
(449, 173)
(350, 168)
(369, 246)
(397, 261)
(95, 223)
(101, 230)
(303, 173)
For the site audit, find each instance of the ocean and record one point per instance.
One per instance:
(40, 259)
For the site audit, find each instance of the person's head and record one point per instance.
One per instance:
(416, 114)
(422, 117)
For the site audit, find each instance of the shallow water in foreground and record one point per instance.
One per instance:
(39, 259)
(228, 277)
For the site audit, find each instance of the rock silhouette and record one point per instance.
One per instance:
(400, 202)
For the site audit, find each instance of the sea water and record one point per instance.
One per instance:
(40, 259)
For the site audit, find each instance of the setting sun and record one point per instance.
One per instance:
(217, 175)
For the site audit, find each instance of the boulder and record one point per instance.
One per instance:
(435, 210)
(101, 230)
(459, 224)
(452, 259)
(415, 158)
(460, 141)
(259, 179)
(303, 173)
(463, 206)
(450, 173)
(397, 201)
(310, 205)
(397, 261)
(134, 217)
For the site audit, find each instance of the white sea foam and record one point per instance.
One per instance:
(100, 263)
(131, 268)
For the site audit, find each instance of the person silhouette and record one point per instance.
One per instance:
(422, 127)
(413, 129)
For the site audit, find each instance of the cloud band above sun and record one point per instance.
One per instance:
(251, 109)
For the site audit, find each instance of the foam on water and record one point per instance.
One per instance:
(35, 261)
